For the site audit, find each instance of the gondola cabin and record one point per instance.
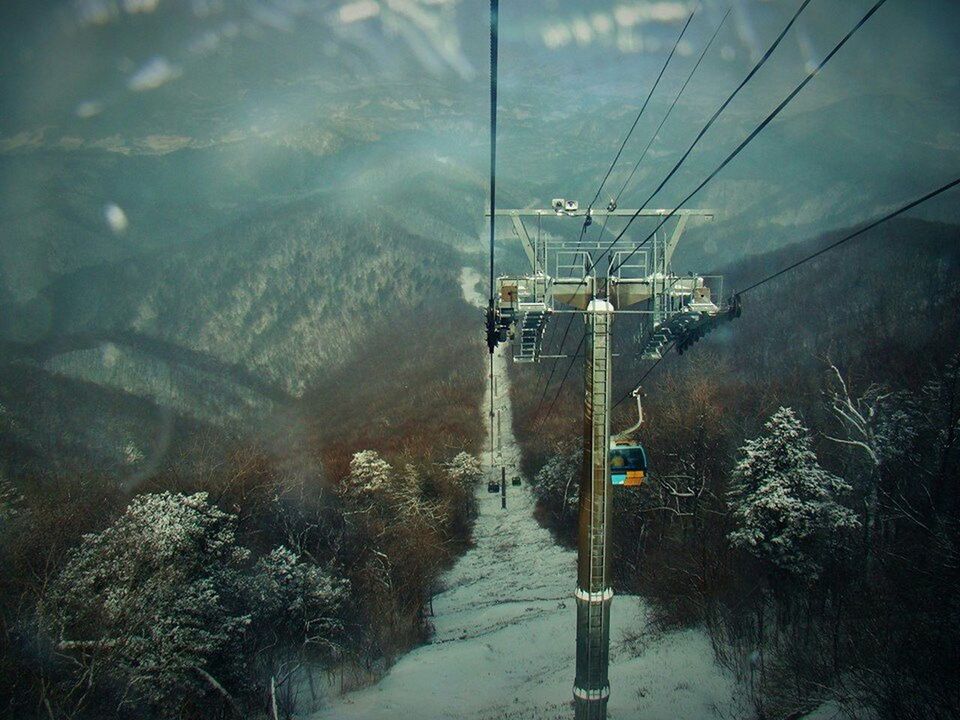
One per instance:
(628, 463)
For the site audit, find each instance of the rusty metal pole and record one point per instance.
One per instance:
(503, 488)
(594, 594)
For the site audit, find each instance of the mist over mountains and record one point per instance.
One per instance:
(235, 105)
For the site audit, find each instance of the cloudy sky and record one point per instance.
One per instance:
(369, 84)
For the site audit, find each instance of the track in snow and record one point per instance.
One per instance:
(503, 647)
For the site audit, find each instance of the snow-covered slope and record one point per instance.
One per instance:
(503, 645)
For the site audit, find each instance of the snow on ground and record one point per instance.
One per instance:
(503, 646)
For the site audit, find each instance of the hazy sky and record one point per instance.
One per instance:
(364, 85)
(91, 58)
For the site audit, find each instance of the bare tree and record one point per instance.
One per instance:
(877, 424)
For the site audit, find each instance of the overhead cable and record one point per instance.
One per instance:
(753, 134)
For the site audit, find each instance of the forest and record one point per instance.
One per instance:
(185, 535)
(802, 503)
(227, 582)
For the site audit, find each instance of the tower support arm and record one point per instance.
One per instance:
(626, 212)
(520, 231)
(674, 239)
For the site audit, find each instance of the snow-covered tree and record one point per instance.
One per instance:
(383, 495)
(394, 533)
(879, 424)
(557, 484)
(154, 601)
(410, 482)
(296, 602)
(465, 470)
(939, 418)
(369, 474)
(10, 502)
(165, 607)
(784, 504)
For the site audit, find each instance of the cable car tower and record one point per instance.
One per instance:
(570, 276)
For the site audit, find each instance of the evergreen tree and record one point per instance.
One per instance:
(369, 474)
(784, 503)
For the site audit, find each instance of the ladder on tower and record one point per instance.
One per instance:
(689, 324)
(664, 335)
(599, 485)
(675, 323)
(533, 320)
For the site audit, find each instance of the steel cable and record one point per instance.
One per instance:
(753, 134)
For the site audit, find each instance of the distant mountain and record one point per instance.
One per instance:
(882, 306)
(300, 184)
(228, 329)
(51, 424)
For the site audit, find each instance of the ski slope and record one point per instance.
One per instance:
(503, 646)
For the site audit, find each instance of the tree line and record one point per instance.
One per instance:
(230, 590)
